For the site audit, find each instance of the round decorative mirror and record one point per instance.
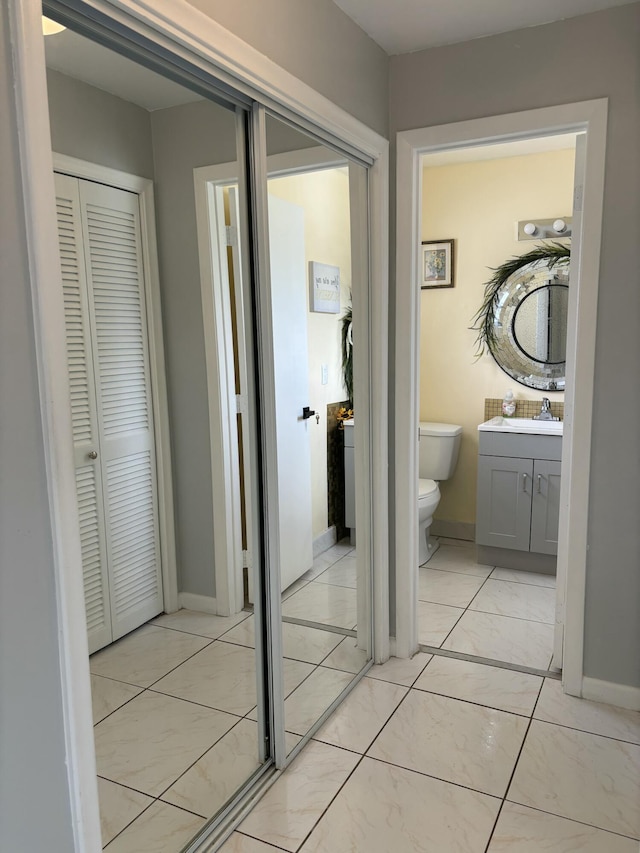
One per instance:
(523, 319)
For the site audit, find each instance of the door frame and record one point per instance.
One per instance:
(588, 117)
(181, 31)
(216, 312)
(143, 188)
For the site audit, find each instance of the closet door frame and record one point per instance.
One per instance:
(143, 188)
(184, 33)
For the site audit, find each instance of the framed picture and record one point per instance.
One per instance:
(436, 263)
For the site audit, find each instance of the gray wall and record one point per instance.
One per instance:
(315, 41)
(34, 800)
(184, 137)
(93, 125)
(592, 56)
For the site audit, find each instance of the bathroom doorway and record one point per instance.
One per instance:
(472, 600)
(589, 118)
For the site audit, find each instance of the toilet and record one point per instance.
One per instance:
(439, 446)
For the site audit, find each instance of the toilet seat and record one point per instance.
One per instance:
(426, 488)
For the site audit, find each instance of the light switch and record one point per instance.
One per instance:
(325, 373)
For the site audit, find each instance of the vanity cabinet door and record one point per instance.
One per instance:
(545, 510)
(504, 502)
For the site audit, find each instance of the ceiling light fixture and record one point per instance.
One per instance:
(50, 27)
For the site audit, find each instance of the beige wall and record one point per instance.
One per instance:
(324, 197)
(478, 205)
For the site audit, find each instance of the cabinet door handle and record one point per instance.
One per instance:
(539, 483)
(524, 482)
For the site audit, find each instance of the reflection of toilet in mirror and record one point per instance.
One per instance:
(438, 455)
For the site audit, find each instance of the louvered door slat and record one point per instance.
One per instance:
(82, 398)
(91, 550)
(117, 305)
(133, 533)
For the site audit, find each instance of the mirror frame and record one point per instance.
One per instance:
(511, 283)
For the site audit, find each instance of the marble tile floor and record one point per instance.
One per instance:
(430, 755)
(439, 755)
(485, 612)
(174, 707)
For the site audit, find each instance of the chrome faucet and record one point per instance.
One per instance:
(545, 411)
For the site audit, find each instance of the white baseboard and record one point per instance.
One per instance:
(392, 647)
(453, 529)
(620, 695)
(201, 603)
(324, 541)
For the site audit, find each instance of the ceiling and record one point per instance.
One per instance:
(398, 26)
(76, 56)
(402, 26)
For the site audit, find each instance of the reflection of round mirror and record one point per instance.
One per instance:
(540, 324)
(529, 325)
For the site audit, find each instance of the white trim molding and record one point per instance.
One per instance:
(620, 695)
(324, 541)
(588, 117)
(36, 172)
(201, 603)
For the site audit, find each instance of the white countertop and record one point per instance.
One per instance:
(522, 425)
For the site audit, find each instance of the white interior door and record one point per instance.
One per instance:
(289, 312)
(107, 347)
(242, 348)
(83, 413)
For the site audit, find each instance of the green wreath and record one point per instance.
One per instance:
(553, 253)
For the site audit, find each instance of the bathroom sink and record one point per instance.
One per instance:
(526, 425)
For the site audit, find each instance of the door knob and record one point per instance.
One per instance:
(306, 413)
(92, 454)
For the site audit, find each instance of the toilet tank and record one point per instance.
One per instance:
(438, 450)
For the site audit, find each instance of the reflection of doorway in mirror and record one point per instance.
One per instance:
(540, 324)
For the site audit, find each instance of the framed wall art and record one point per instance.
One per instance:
(435, 264)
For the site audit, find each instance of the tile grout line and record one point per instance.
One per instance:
(572, 820)
(254, 838)
(215, 743)
(515, 765)
(586, 731)
(466, 610)
(431, 776)
(330, 803)
(543, 811)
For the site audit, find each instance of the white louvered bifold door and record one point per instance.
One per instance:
(115, 284)
(83, 414)
(111, 407)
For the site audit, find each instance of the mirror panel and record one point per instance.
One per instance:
(179, 697)
(530, 326)
(540, 324)
(323, 577)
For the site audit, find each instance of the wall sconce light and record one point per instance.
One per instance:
(50, 27)
(544, 229)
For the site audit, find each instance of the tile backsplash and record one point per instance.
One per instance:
(524, 408)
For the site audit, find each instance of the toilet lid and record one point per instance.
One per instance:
(426, 487)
